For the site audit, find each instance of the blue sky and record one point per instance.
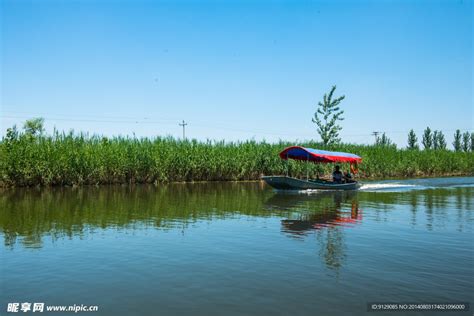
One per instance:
(237, 70)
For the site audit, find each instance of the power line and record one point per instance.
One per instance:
(21, 114)
(204, 125)
(136, 121)
(218, 127)
(145, 120)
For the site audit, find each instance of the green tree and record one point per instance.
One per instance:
(472, 141)
(466, 141)
(12, 134)
(34, 126)
(412, 140)
(427, 140)
(440, 140)
(383, 141)
(11, 137)
(457, 140)
(326, 118)
(435, 140)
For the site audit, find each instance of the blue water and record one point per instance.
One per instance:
(239, 248)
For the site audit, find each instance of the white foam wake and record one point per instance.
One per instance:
(384, 186)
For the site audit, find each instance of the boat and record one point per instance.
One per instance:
(315, 156)
(289, 183)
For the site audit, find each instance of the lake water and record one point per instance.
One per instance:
(238, 248)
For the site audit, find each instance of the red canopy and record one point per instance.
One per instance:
(315, 155)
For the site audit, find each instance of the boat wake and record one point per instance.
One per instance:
(388, 186)
(418, 184)
(370, 187)
(404, 185)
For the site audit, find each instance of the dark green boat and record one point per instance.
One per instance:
(289, 183)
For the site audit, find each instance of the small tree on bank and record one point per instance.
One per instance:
(326, 118)
(472, 142)
(440, 140)
(412, 140)
(466, 141)
(457, 140)
(34, 127)
(12, 134)
(427, 140)
(383, 141)
(435, 140)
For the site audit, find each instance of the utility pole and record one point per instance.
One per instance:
(375, 134)
(183, 125)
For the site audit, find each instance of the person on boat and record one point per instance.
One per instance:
(348, 177)
(337, 175)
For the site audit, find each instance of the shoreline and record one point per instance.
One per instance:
(131, 184)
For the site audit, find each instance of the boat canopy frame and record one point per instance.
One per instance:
(318, 156)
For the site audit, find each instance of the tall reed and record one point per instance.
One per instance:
(76, 159)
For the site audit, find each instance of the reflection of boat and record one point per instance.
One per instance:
(321, 220)
(322, 210)
(314, 201)
(316, 156)
(326, 214)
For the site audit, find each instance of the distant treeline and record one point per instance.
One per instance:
(435, 140)
(32, 158)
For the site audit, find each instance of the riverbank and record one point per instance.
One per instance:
(68, 159)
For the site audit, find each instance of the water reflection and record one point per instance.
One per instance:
(316, 211)
(204, 248)
(326, 214)
(29, 215)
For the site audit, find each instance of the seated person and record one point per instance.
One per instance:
(337, 175)
(348, 177)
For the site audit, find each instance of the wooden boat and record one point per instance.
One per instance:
(315, 156)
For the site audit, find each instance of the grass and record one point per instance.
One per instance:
(76, 159)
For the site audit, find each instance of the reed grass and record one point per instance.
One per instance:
(77, 159)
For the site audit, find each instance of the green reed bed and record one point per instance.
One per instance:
(71, 159)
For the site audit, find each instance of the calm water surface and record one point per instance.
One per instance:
(238, 248)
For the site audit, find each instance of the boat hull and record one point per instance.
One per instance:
(288, 183)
